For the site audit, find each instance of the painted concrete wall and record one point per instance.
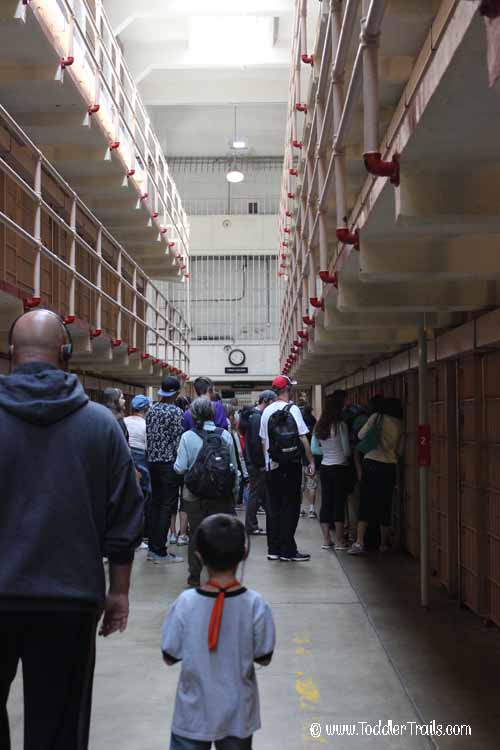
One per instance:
(237, 235)
(212, 359)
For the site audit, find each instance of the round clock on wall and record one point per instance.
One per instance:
(237, 357)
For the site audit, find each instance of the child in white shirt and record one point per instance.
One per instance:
(218, 631)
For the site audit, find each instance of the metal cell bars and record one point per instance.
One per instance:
(263, 205)
(166, 332)
(232, 298)
(113, 89)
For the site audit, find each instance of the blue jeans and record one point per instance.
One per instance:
(228, 743)
(141, 465)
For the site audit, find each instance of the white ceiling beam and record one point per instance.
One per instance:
(200, 92)
(124, 12)
(144, 59)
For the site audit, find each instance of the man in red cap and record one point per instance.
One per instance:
(283, 433)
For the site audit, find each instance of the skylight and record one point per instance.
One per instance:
(230, 40)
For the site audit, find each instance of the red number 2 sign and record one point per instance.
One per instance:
(424, 445)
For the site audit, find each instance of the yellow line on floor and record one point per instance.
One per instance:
(308, 692)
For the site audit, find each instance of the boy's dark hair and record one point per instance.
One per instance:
(202, 385)
(220, 540)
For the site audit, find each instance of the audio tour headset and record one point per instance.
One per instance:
(66, 349)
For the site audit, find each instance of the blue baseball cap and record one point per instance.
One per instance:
(140, 403)
(169, 387)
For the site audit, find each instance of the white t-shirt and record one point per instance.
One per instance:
(336, 449)
(136, 427)
(264, 434)
(217, 694)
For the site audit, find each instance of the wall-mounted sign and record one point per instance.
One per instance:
(424, 445)
(236, 370)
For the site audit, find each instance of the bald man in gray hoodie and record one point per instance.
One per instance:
(69, 496)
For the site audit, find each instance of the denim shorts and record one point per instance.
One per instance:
(228, 743)
(308, 482)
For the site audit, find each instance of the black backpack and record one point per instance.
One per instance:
(212, 474)
(285, 446)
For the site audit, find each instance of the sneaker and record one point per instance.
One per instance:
(301, 557)
(313, 514)
(328, 546)
(143, 545)
(172, 538)
(258, 532)
(273, 557)
(165, 559)
(182, 540)
(261, 512)
(303, 514)
(341, 547)
(356, 549)
(297, 557)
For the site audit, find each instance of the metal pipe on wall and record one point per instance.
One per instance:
(311, 280)
(303, 29)
(370, 93)
(370, 44)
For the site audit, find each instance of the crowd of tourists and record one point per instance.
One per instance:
(83, 482)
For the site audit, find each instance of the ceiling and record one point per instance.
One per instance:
(196, 62)
(206, 130)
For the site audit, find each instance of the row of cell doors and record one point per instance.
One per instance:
(464, 483)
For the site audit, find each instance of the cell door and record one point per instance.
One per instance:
(442, 479)
(491, 380)
(471, 495)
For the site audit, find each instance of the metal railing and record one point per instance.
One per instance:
(266, 205)
(101, 284)
(91, 54)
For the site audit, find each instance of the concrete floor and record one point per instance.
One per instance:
(353, 646)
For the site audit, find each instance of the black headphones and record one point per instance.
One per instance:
(66, 349)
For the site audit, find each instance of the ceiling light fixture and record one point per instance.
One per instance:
(235, 175)
(238, 144)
